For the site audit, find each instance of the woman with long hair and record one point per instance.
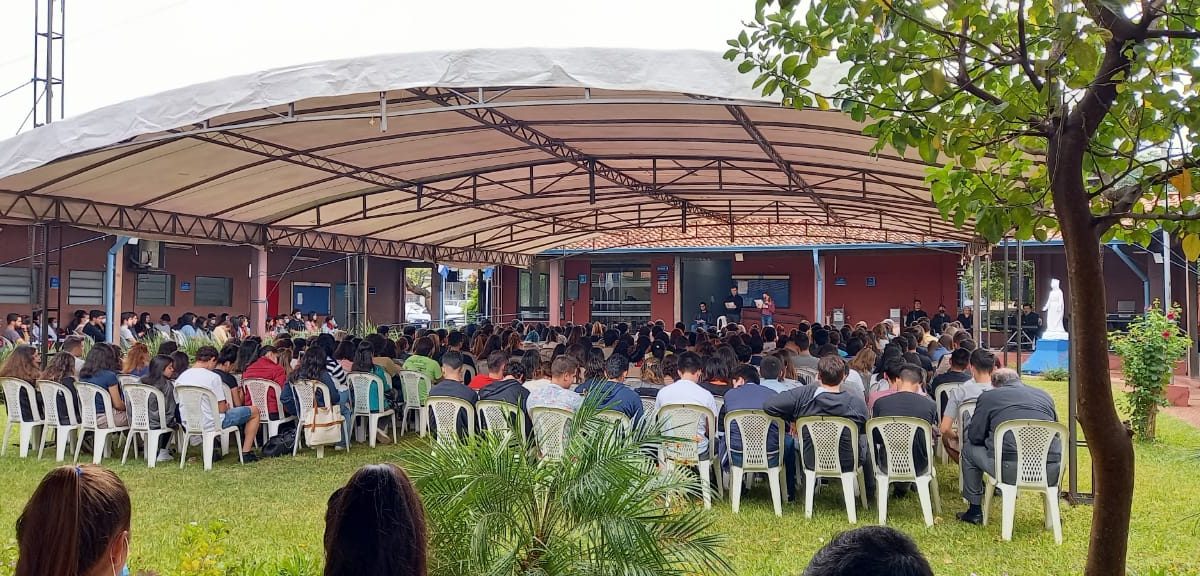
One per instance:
(789, 374)
(161, 375)
(75, 524)
(364, 361)
(311, 324)
(593, 368)
(716, 376)
(248, 353)
(100, 368)
(137, 360)
(376, 525)
(864, 362)
(144, 326)
(79, 319)
(62, 370)
(312, 367)
(344, 354)
(24, 363)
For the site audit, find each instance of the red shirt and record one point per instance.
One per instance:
(481, 380)
(265, 369)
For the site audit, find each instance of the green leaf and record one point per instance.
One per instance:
(934, 81)
(822, 103)
(746, 66)
(743, 39)
(1191, 247)
(789, 64)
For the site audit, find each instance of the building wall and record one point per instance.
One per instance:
(900, 278)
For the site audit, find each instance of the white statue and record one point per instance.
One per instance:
(1054, 313)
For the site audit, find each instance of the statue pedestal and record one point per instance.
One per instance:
(1049, 354)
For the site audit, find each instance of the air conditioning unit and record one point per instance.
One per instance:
(146, 255)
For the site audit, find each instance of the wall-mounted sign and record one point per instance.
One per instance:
(185, 286)
(583, 281)
(839, 281)
(870, 281)
(54, 282)
(371, 290)
(664, 269)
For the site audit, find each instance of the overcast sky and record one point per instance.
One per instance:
(122, 49)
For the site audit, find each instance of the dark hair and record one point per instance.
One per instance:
(802, 341)
(690, 362)
(247, 354)
(376, 525)
(156, 374)
(827, 350)
(615, 366)
(983, 360)
(168, 348)
(496, 361)
(452, 359)
(70, 521)
(770, 368)
(716, 370)
(831, 370)
(346, 349)
(747, 373)
(670, 366)
(912, 373)
(454, 338)
(364, 357)
(74, 343)
(227, 354)
(892, 367)
(563, 365)
(515, 369)
(423, 347)
(532, 362)
(960, 358)
(594, 367)
(180, 358)
(61, 367)
(869, 550)
(206, 353)
(102, 357)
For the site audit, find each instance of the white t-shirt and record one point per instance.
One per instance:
(688, 392)
(208, 379)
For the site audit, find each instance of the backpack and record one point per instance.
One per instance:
(280, 444)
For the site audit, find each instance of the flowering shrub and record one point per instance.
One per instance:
(1149, 352)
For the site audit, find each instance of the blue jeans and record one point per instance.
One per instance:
(237, 416)
(768, 320)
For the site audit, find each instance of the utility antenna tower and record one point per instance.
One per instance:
(49, 64)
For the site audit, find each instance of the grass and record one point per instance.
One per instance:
(275, 509)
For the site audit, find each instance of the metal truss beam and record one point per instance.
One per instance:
(786, 167)
(35, 208)
(509, 125)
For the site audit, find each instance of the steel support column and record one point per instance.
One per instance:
(554, 315)
(818, 286)
(112, 276)
(258, 291)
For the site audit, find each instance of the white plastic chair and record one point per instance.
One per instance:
(754, 426)
(259, 390)
(362, 383)
(825, 434)
(943, 395)
(138, 398)
(550, 429)
(192, 401)
(616, 417)
(127, 379)
(63, 433)
(306, 392)
(413, 383)
(445, 417)
(13, 389)
(896, 434)
(722, 322)
(683, 421)
(1034, 439)
(88, 393)
(647, 405)
(499, 416)
(965, 411)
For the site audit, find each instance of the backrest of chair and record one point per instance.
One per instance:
(615, 417)
(498, 416)
(259, 389)
(631, 382)
(306, 396)
(88, 393)
(943, 395)
(445, 415)
(192, 401)
(825, 433)
(1034, 438)
(468, 373)
(412, 381)
(647, 404)
(807, 372)
(550, 430)
(754, 426)
(897, 434)
(127, 379)
(137, 399)
(50, 392)
(683, 422)
(13, 389)
(361, 383)
(965, 411)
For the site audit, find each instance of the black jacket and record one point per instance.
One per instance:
(511, 391)
(454, 389)
(805, 401)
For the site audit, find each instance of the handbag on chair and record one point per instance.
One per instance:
(323, 425)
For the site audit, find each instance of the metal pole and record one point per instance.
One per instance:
(1072, 425)
(1007, 299)
(1166, 256)
(110, 286)
(1020, 298)
(1189, 284)
(977, 297)
(985, 319)
(50, 71)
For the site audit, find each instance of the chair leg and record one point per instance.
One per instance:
(209, 448)
(42, 441)
(776, 495)
(937, 495)
(99, 446)
(705, 468)
(881, 497)
(988, 489)
(862, 487)
(735, 487)
(1008, 503)
(810, 486)
(184, 442)
(151, 451)
(372, 429)
(62, 440)
(926, 504)
(79, 444)
(25, 435)
(237, 435)
(424, 417)
(7, 431)
(320, 452)
(125, 453)
(1053, 517)
(848, 496)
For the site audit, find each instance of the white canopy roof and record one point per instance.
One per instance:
(474, 157)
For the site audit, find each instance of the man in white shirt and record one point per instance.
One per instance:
(557, 394)
(201, 374)
(685, 390)
(983, 363)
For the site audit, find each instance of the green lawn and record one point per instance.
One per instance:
(276, 508)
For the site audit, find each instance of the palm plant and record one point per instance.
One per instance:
(601, 510)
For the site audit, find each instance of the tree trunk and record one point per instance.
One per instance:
(1108, 440)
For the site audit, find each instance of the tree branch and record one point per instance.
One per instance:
(1023, 48)
(1170, 217)
(962, 79)
(1124, 197)
(1185, 34)
(1122, 28)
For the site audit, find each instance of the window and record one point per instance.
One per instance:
(214, 291)
(620, 293)
(16, 287)
(523, 290)
(155, 290)
(85, 288)
(543, 290)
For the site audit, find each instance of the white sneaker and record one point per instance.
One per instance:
(164, 455)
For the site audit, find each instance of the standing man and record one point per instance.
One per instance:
(733, 306)
(915, 315)
(939, 320)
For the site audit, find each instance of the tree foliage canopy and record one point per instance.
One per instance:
(980, 89)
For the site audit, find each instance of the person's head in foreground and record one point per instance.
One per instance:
(75, 524)
(869, 551)
(375, 525)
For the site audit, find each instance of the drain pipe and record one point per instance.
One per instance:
(110, 288)
(1138, 271)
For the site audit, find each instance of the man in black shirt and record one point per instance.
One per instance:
(452, 385)
(967, 319)
(1031, 322)
(908, 401)
(733, 313)
(95, 327)
(915, 315)
(939, 320)
(296, 322)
